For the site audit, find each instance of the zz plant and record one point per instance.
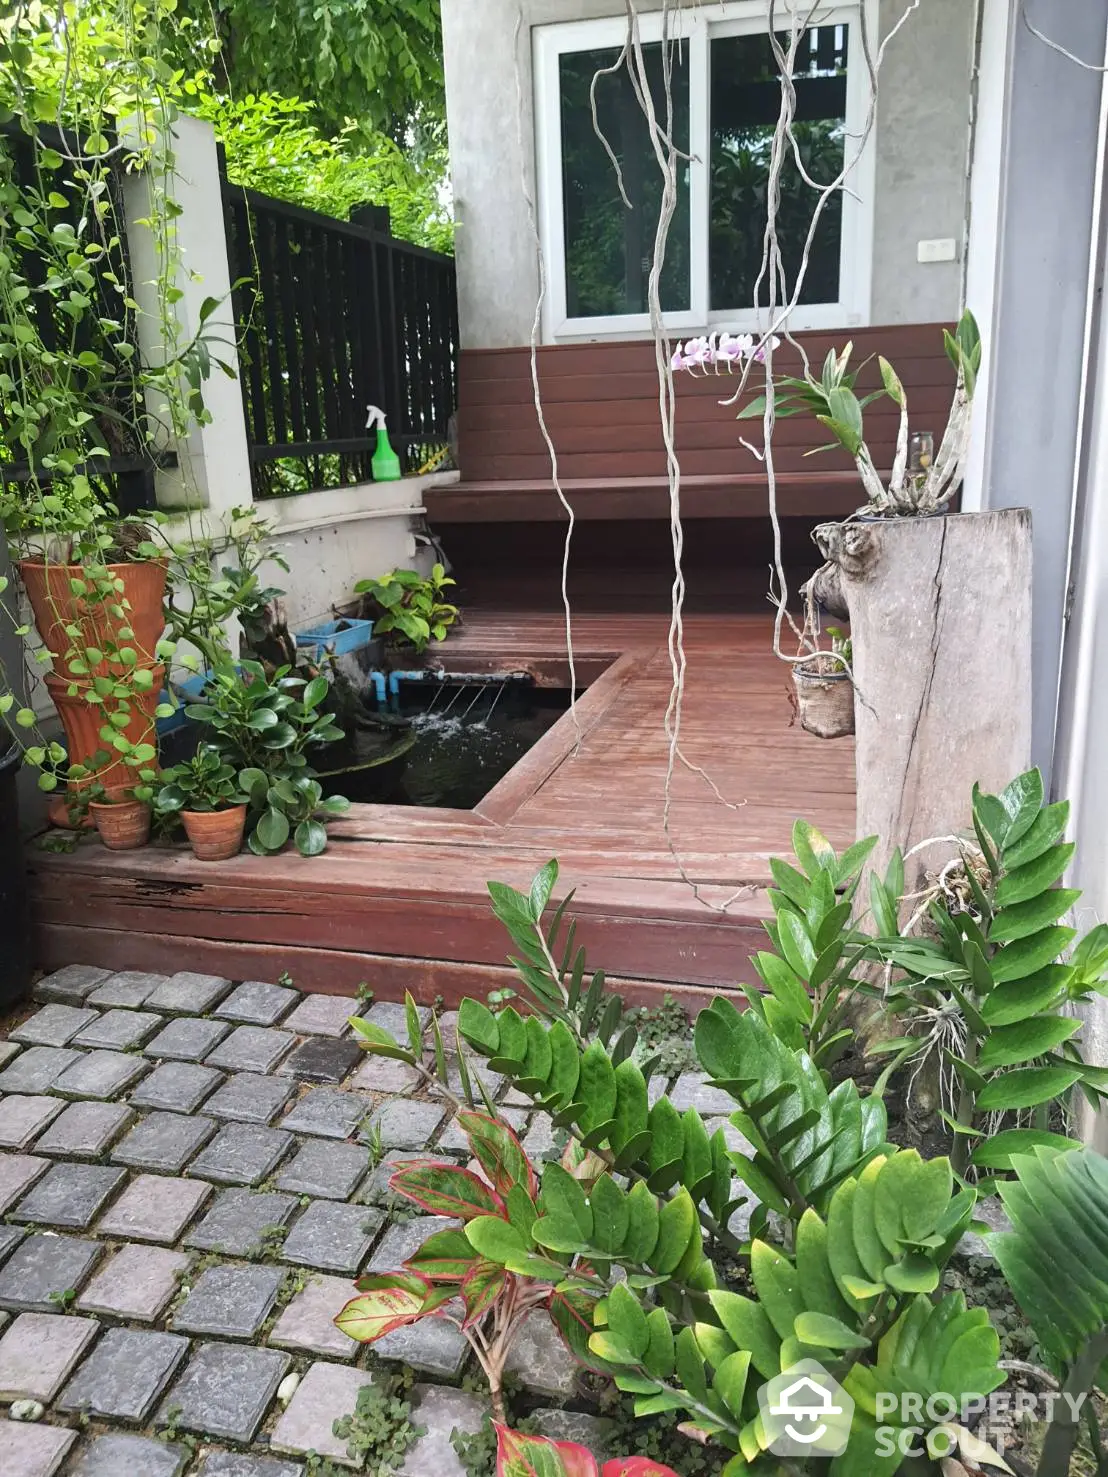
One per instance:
(989, 987)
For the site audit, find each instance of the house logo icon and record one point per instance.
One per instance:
(805, 1412)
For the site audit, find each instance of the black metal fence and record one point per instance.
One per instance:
(125, 476)
(335, 316)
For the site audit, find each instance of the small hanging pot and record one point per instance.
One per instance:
(825, 698)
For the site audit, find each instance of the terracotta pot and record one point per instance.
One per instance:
(55, 606)
(826, 702)
(124, 825)
(216, 835)
(83, 721)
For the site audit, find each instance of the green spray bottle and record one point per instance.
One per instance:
(385, 462)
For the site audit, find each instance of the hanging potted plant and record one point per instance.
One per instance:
(206, 794)
(825, 690)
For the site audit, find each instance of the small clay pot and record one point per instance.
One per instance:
(124, 825)
(826, 702)
(215, 835)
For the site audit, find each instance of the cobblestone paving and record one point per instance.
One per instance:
(187, 1195)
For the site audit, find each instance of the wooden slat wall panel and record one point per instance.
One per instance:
(601, 402)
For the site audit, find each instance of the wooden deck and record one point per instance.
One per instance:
(399, 898)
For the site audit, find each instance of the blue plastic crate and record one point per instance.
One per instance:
(188, 691)
(339, 637)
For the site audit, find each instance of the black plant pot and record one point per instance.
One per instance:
(15, 922)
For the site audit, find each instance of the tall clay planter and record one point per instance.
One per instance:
(15, 916)
(83, 721)
(50, 590)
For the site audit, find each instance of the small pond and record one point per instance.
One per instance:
(438, 742)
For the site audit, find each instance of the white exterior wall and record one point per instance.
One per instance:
(921, 140)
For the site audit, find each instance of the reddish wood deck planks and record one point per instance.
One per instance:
(399, 899)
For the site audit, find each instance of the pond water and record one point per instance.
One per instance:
(444, 744)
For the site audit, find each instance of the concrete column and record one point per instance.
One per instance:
(1032, 409)
(214, 461)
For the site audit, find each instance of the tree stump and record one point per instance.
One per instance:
(940, 619)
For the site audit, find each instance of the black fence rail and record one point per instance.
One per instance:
(335, 316)
(125, 476)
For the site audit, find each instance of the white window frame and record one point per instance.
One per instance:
(696, 29)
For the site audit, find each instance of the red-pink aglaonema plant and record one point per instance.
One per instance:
(450, 1278)
(537, 1456)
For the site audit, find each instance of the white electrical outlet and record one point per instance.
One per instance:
(943, 250)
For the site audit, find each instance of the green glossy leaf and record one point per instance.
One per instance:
(1009, 1045)
(1026, 1087)
(825, 1332)
(1034, 877)
(997, 1152)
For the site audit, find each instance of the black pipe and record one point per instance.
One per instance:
(15, 922)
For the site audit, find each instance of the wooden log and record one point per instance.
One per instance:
(940, 617)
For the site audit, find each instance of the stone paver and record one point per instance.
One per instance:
(242, 1464)
(102, 1074)
(125, 1374)
(237, 1219)
(53, 1025)
(539, 1359)
(389, 1014)
(85, 1130)
(405, 1124)
(249, 1097)
(42, 1265)
(326, 1394)
(37, 1069)
(178, 1087)
(70, 1195)
(187, 1039)
(492, 1081)
(322, 1059)
(8, 1049)
(440, 1411)
(21, 1118)
(332, 1171)
(332, 1236)
(164, 1141)
(17, 1173)
(376, 1191)
(32, 1451)
(380, 1074)
(186, 993)
(119, 1030)
(307, 1325)
(539, 1142)
(321, 1015)
(130, 1456)
(71, 985)
(38, 1353)
(137, 1283)
(251, 1049)
(226, 1390)
(327, 1112)
(154, 1208)
(130, 989)
(230, 1302)
(242, 1154)
(593, 1431)
(10, 1237)
(693, 1090)
(254, 1003)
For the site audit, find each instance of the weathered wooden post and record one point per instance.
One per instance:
(940, 619)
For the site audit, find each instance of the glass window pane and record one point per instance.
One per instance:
(608, 247)
(746, 100)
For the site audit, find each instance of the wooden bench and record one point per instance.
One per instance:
(601, 405)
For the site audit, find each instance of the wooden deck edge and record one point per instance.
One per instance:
(525, 778)
(319, 971)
